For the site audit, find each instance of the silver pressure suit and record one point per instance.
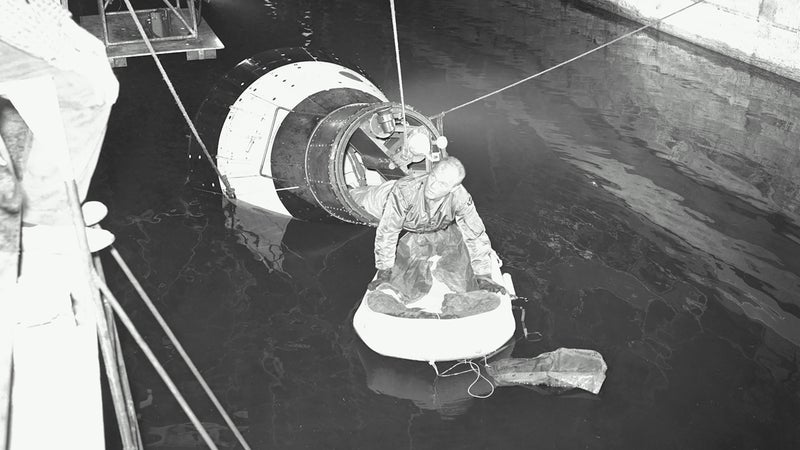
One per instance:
(401, 205)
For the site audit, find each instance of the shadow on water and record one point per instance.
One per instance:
(645, 198)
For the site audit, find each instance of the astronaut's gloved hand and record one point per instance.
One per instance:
(485, 283)
(383, 276)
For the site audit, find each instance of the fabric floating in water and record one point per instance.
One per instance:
(562, 368)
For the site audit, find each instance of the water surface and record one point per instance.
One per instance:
(645, 198)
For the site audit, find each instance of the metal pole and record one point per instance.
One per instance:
(101, 10)
(123, 317)
(6, 363)
(192, 17)
(115, 384)
(192, 29)
(120, 362)
(178, 347)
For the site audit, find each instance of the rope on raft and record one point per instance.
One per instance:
(440, 117)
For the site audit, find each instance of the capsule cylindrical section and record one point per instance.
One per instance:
(294, 133)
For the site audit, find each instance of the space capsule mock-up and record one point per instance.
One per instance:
(294, 131)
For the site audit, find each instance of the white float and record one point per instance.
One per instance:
(435, 339)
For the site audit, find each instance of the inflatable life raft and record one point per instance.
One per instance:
(437, 336)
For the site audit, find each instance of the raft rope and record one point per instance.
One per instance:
(474, 368)
(228, 191)
(399, 70)
(152, 307)
(441, 115)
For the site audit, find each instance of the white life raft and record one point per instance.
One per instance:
(439, 339)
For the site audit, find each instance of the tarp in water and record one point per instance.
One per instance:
(432, 266)
(562, 368)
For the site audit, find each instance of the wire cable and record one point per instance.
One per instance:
(229, 191)
(643, 27)
(399, 70)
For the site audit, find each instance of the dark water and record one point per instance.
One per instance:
(645, 198)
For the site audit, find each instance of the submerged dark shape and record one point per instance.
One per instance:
(450, 396)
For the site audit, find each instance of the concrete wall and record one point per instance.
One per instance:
(764, 33)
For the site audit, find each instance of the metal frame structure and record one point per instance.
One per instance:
(148, 16)
(177, 27)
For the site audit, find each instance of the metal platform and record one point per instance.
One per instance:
(167, 36)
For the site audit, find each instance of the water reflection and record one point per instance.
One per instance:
(416, 381)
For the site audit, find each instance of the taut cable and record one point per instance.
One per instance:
(228, 191)
(399, 71)
(643, 27)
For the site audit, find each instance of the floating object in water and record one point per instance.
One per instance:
(430, 338)
(432, 311)
(562, 368)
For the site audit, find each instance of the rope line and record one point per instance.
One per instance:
(473, 367)
(229, 191)
(643, 27)
(399, 70)
(123, 317)
(178, 346)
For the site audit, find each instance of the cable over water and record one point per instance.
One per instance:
(228, 191)
(399, 71)
(643, 27)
